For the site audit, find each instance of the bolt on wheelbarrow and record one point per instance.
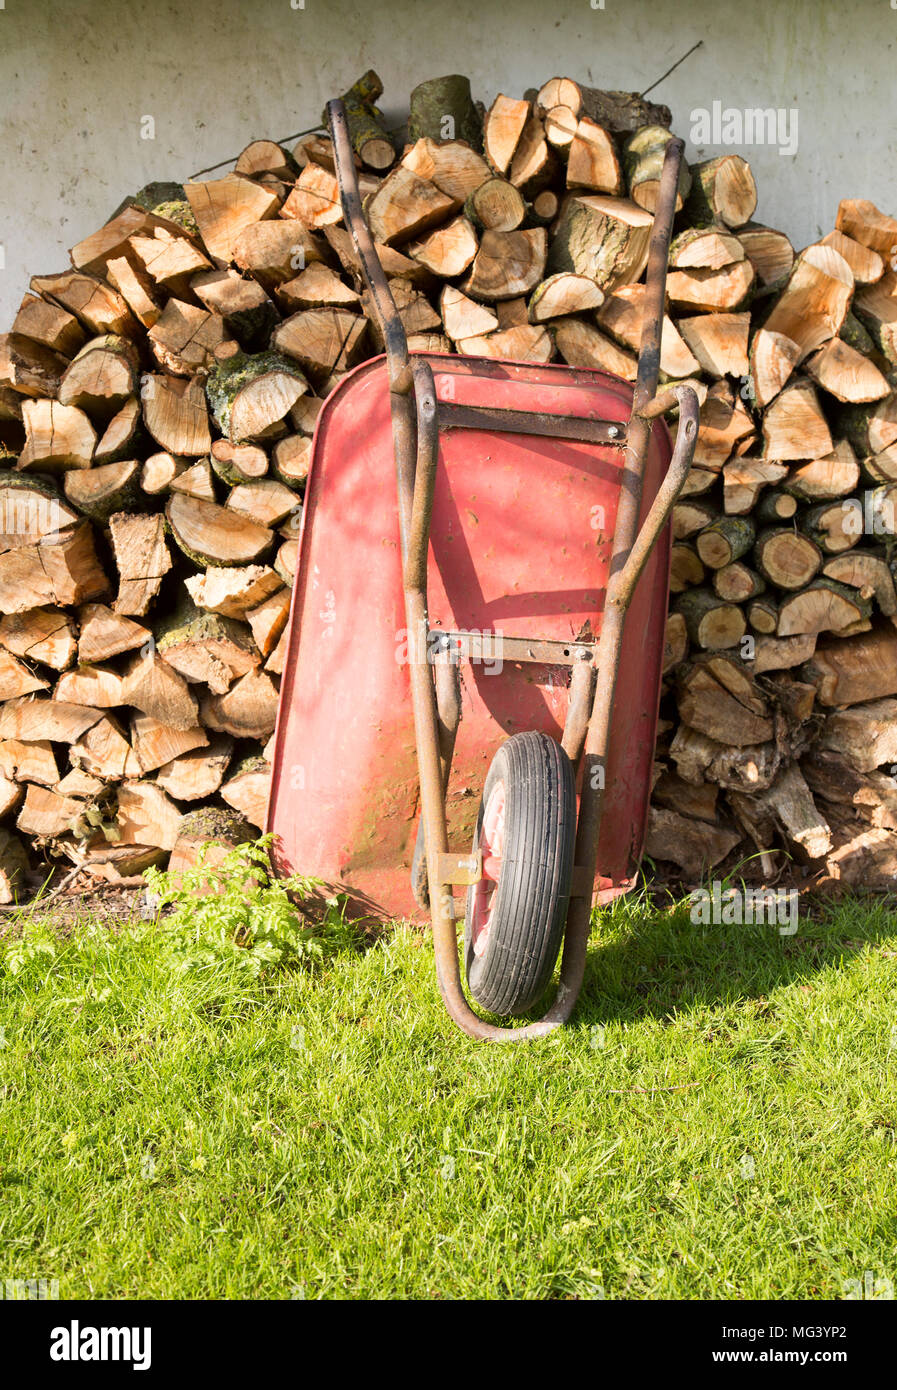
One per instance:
(480, 665)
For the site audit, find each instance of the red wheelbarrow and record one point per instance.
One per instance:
(480, 665)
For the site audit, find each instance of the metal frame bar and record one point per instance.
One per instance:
(435, 703)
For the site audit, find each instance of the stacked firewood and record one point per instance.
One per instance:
(157, 406)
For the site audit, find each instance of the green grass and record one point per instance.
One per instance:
(718, 1122)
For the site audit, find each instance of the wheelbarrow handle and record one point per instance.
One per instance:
(382, 302)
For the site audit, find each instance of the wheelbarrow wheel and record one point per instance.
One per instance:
(515, 915)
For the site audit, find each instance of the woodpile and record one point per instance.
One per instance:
(158, 401)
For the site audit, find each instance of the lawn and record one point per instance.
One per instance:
(718, 1122)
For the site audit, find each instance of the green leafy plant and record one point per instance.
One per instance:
(237, 911)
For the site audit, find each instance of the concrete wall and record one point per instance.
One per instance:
(77, 76)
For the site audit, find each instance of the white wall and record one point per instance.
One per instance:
(76, 76)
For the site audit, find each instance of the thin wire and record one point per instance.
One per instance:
(231, 159)
(699, 44)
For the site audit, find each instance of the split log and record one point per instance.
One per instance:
(155, 744)
(525, 343)
(534, 163)
(174, 412)
(142, 559)
(212, 535)
(249, 395)
(782, 653)
(169, 260)
(675, 646)
(863, 570)
(274, 252)
(622, 315)
(247, 710)
(233, 592)
(592, 164)
(790, 802)
(28, 368)
(223, 207)
(317, 287)
(870, 428)
(507, 264)
(49, 325)
(97, 687)
(876, 308)
(693, 845)
(62, 569)
(711, 291)
(267, 502)
(33, 761)
(46, 635)
(205, 648)
(105, 634)
(153, 686)
(57, 437)
(94, 303)
(794, 426)
(135, 289)
(16, 678)
(103, 751)
(248, 790)
(98, 492)
(122, 436)
(772, 359)
(718, 341)
(314, 199)
(264, 157)
(45, 814)
(405, 206)
(866, 735)
(824, 606)
(448, 250)
(581, 345)
(249, 315)
(744, 480)
(30, 507)
(605, 239)
(689, 518)
(184, 338)
(833, 475)
(643, 157)
(196, 775)
(861, 220)
(854, 670)
(502, 130)
(35, 718)
(464, 317)
(195, 481)
(13, 867)
(455, 168)
(722, 190)
(268, 620)
(563, 294)
(322, 341)
(146, 816)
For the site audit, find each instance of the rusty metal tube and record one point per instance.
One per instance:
(385, 311)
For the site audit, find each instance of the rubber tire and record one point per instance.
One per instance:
(533, 889)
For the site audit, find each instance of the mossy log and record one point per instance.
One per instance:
(442, 108)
